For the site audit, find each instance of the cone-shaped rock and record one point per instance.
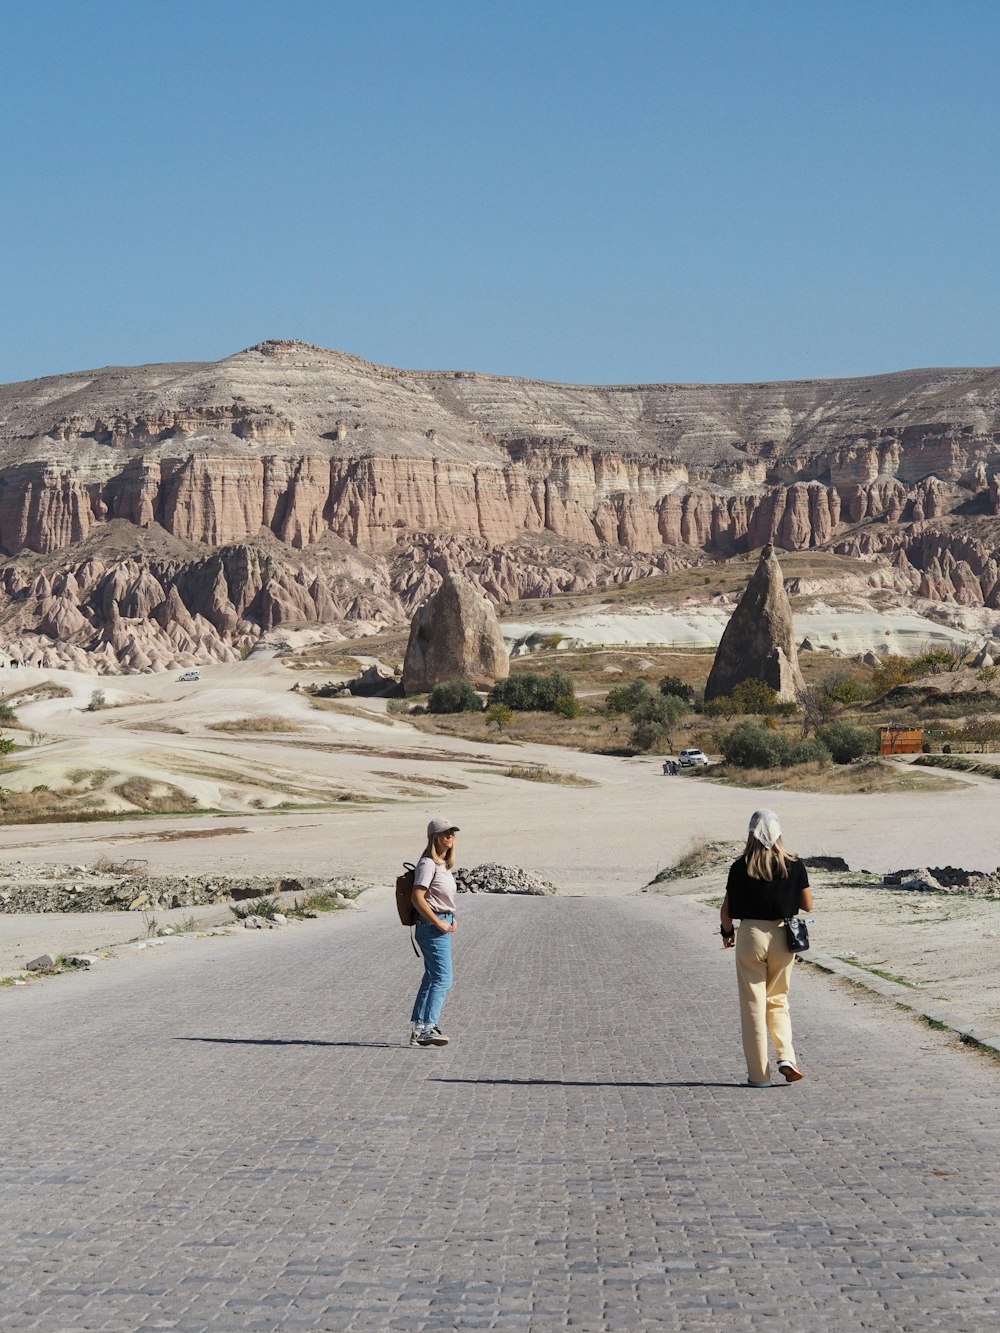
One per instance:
(759, 641)
(455, 635)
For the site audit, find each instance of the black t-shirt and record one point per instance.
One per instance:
(763, 899)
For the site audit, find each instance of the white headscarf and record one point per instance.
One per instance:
(764, 827)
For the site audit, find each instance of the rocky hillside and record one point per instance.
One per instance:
(160, 514)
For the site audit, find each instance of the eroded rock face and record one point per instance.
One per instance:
(294, 484)
(455, 635)
(759, 641)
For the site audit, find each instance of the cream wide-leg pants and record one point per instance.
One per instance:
(764, 965)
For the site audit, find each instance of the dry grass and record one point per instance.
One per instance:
(255, 724)
(446, 784)
(339, 706)
(868, 776)
(539, 773)
(591, 732)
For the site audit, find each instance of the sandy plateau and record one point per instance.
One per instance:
(346, 789)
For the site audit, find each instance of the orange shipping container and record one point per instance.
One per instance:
(900, 740)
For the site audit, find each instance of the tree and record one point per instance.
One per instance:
(846, 743)
(531, 692)
(624, 698)
(654, 720)
(754, 696)
(843, 687)
(454, 696)
(893, 671)
(983, 731)
(674, 685)
(749, 745)
(499, 716)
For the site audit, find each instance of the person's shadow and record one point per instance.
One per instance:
(291, 1041)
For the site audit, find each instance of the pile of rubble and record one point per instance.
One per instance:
(493, 878)
(946, 879)
(128, 886)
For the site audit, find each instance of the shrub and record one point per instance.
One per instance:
(454, 696)
(845, 742)
(499, 716)
(754, 696)
(395, 707)
(749, 745)
(567, 705)
(7, 713)
(6, 745)
(842, 686)
(894, 671)
(654, 720)
(97, 701)
(531, 692)
(650, 735)
(723, 705)
(625, 698)
(674, 685)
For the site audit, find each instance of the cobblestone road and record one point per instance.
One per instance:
(233, 1137)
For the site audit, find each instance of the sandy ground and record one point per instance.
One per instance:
(607, 839)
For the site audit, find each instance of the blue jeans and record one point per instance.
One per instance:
(435, 946)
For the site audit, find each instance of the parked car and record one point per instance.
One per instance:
(193, 674)
(692, 758)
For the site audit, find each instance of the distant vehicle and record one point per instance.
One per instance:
(193, 674)
(692, 758)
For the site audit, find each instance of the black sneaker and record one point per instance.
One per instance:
(433, 1038)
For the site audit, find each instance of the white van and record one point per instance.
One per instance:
(193, 674)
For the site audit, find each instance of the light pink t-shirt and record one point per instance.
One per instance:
(439, 883)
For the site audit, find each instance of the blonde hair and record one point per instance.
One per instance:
(762, 862)
(447, 858)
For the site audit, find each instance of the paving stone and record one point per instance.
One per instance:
(246, 1141)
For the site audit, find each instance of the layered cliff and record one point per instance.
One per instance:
(346, 486)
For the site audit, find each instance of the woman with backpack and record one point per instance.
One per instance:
(766, 885)
(434, 902)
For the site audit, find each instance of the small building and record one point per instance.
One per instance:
(900, 740)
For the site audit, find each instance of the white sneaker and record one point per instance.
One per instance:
(432, 1037)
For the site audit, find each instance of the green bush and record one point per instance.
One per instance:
(454, 696)
(654, 720)
(648, 736)
(754, 696)
(674, 685)
(499, 716)
(531, 692)
(843, 687)
(626, 698)
(567, 705)
(6, 745)
(845, 742)
(749, 745)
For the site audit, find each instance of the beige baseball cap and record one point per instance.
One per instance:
(441, 826)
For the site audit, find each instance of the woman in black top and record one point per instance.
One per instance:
(765, 885)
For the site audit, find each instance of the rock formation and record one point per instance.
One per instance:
(289, 484)
(455, 635)
(759, 641)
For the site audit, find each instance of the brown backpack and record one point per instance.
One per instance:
(404, 896)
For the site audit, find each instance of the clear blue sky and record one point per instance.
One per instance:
(616, 192)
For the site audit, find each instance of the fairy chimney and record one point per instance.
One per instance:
(759, 641)
(454, 635)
